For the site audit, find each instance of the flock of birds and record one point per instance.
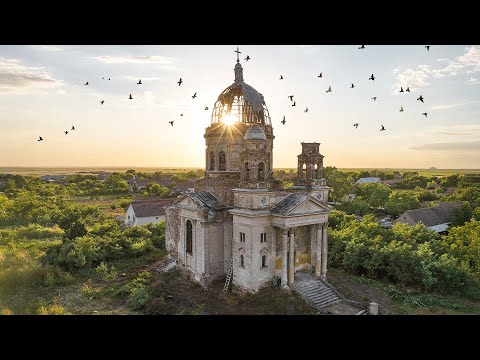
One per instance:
(283, 122)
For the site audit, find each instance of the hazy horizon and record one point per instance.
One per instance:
(42, 93)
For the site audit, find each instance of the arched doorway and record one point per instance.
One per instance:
(189, 237)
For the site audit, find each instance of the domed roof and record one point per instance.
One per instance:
(240, 103)
(255, 132)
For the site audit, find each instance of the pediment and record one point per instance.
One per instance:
(187, 202)
(310, 206)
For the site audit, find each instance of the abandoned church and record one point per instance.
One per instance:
(239, 222)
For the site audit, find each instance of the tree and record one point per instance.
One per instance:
(340, 183)
(401, 201)
(375, 194)
(357, 206)
(155, 189)
(476, 214)
(462, 214)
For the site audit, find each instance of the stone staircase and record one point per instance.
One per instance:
(315, 291)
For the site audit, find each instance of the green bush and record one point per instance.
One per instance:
(106, 273)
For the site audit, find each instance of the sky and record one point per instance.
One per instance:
(42, 93)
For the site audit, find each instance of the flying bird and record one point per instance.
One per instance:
(283, 121)
(352, 86)
(247, 58)
(108, 78)
(281, 77)
(401, 108)
(425, 114)
(294, 103)
(139, 82)
(290, 97)
(382, 129)
(408, 89)
(371, 77)
(171, 122)
(181, 114)
(329, 89)
(374, 98)
(321, 74)
(194, 96)
(179, 82)
(103, 78)
(362, 47)
(86, 83)
(101, 102)
(40, 138)
(420, 98)
(73, 127)
(356, 125)
(130, 98)
(427, 47)
(206, 107)
(66, 132)
(401, 89)
(306, 110)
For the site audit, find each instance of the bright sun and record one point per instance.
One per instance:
(228, 120)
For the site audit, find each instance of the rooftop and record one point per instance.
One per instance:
(146, 208)
(440, 214)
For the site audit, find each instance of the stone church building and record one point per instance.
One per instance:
(239, 217)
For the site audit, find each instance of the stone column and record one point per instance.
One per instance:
(309, 171)
(273, 252)
(291, 258)
(299, 170)
(284, 258)
(313, 246)
(324, 251)
(318, 260)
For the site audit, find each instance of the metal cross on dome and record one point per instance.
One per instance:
(238, 54)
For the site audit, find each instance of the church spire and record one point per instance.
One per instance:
(238, 68)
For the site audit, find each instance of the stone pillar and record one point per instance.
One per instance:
(299, 170)
(309, 171)
(273, 252)
(313, 246)
(373, 309)
(291, 258)
(318, 260)
(320, 170)
(284, 258)
(324, 251)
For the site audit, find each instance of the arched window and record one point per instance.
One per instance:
(315, 171)
(264, 261)
(222, 163)
(189, 237)
(212, 161)
(264, 257)
(242, 262)
(261, 171)
(247, 171)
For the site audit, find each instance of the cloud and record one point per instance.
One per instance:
(472, 81)
(419, 77)
(457, 130)
(18, 78)
(470, 146)
(449, 106)
(48, 48)
(136, 78)
(135, 59)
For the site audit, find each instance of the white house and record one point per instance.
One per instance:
(142, 212)
(368, 180)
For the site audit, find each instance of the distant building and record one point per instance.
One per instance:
(185, 186)
(368, 180)
(349, 197)
(103, 175)
(397, 175)
(53, 178)
(142, 212)
(390, 182)
(436, 218)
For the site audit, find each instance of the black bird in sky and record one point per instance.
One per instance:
(179, 82)
(374, 98)
(247, 58)
(382, 129)
(401, 89)
(294, 103)
(130, 98)
(401, 108)
(290, 97)
(281, 77)
(139, 82)
(425, 114)
(108, 78)
(427, 47)
(306, 110)
(206, 107)
(420, 98)
(194, 96)
(86, 83)
(352, 86)
(73, 127)
(40, 138)
(283, 121)
(181, 114)
(408, 89)
(66, 132)
(362, 47)
(321, 74)
(101, 102)
(171, 122)
(356, 125)
(371, 77)
(103, 78)
(329, 89)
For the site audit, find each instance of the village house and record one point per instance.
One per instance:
(436, 218)
(368, 180)
(142, 212)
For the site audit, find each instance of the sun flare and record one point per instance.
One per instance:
(228, 120)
